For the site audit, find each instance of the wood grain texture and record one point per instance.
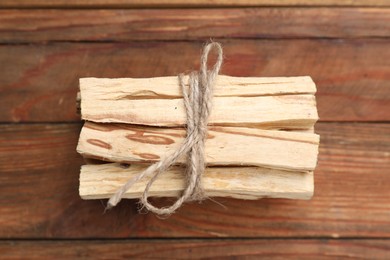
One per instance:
(39, 172)
(349, 74)
(343, 45)
(206, 248)
(236, 146)
(182, 3)
(191, 24)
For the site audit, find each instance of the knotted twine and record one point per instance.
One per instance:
(197, 98)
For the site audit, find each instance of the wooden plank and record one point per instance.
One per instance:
(249, 183)
(191, 24)
(237, 146)
(39, 175)
(351, 78)
(181, 3)
(203, 248)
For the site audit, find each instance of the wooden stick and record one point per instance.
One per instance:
(102, 181)
(237, 102)
(292, 151)
(168, 87)
(270, 112)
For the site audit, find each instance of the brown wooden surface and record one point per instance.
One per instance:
(352, 76)
(182, 3)
(40, 170)
(343, 45)
(190, 24)
(190, 249)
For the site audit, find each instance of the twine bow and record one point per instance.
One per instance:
(198, 103)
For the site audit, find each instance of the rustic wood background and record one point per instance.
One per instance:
(46, 45)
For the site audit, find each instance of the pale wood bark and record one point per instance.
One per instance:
(224, 146)
(102, 181)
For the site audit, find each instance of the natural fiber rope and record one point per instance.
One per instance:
(198, 104)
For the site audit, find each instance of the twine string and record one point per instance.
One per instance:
(197, 97)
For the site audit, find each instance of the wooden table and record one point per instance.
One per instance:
(45, 46)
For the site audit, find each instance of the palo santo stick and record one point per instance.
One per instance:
(285, 102)
(268, 112)
(102, 181)
(291, 151)
(168, 87)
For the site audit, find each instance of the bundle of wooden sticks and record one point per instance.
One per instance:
(261, 140)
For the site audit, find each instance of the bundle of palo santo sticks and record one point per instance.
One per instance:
(261, 140)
